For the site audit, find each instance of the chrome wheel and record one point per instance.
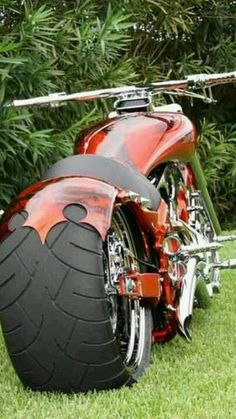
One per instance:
(131, 320)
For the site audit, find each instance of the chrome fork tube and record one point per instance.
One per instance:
(202, 186)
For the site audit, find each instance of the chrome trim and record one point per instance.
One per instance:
(185, 309)
(195, 249)
(221, 239)
(54, 99)
(192, 82)
(202, 186)
(226, 264)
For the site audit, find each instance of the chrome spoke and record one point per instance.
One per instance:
(141, 335)
(127, 316)
(131, 344)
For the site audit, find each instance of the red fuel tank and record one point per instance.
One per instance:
(143, 140)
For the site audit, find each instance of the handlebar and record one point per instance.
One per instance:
(197, 81)
(192, 82)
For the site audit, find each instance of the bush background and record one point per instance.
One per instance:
(56, 45)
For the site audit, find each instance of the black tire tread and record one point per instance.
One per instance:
(54, 312)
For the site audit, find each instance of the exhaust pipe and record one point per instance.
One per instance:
(185, 308)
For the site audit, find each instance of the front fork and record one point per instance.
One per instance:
(200, 257)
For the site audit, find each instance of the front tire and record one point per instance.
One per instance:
(54, 309)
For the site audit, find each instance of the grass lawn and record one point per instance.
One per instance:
(196, 380)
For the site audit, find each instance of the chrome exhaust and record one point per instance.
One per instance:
(192, 255)
(185, 308)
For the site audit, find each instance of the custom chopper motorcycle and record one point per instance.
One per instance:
(105, 255)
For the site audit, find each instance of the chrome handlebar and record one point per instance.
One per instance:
(197, 81)
(192, 82)
(56, 98)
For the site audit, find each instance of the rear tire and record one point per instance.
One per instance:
(54, 310)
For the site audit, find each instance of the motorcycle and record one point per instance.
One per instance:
(111, 251)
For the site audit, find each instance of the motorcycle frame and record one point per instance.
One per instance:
(170, 138)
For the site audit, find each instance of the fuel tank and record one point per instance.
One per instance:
(143, 140)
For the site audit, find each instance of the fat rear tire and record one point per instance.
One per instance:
(53, 308)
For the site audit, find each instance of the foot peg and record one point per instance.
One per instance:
(227, 264)
(222, 239)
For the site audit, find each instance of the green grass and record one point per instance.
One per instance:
(196, 380)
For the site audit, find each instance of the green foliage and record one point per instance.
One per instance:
(53, 45)
(217, 149)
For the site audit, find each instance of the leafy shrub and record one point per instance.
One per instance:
(54, 45)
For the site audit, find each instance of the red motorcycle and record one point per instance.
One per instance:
(113, 248)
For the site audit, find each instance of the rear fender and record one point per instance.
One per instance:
(45, 202)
